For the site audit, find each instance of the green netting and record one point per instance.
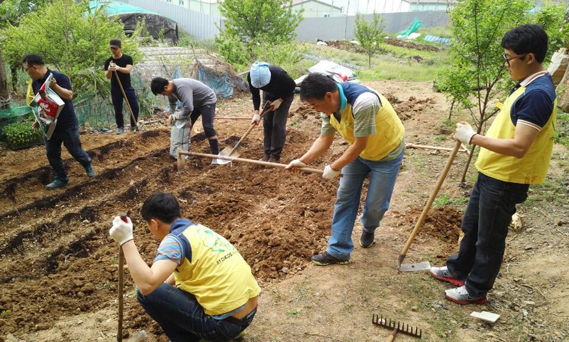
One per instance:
(98, 112)
(13, 115)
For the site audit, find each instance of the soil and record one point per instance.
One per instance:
(58, 276)
(411, 45)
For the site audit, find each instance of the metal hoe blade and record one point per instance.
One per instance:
(421, 266)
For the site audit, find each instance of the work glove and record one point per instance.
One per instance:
(464, 132)
(121, 231)
(330, 173)
(256, 119)
(295, 164)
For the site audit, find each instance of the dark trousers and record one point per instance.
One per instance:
(70, 138)
(207, 113)
(485, 226)
(274, 125)
(118, 98)
(183, 319)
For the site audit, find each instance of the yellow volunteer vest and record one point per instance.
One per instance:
(532, 168)
(389, 130)
(218, 276)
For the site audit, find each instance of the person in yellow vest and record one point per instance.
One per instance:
(515, 152)
(199, 286)
(366, 120)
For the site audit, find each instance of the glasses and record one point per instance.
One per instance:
(508, 58)
(28, 68)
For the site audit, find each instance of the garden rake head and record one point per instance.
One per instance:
(401, 327)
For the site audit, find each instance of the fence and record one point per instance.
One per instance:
(202, 26)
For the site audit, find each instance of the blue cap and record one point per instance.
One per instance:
(260, 74)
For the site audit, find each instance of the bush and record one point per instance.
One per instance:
(22, 134)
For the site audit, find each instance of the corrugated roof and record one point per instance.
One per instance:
(119, 7)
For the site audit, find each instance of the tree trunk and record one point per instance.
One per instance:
(4, 91)
(369, 60)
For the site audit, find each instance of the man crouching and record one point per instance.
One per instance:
(199, 286)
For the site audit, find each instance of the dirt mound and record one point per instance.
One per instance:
(411, 45)
(303, 110)
(410, 108)
(441, 223)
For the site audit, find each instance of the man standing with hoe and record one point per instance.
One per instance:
(366, 120)
(121, 65)
(276, 84)
(67, 129)
(515, 152)
(199, 286)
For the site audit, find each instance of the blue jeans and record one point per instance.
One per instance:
(381, 183)
(118, 98)
(485, 226)
(183, 319)
(70, 138)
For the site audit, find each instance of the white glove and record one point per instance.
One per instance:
(256, 119)
(464, 132)
(330, 173)
(121, 231)
(295, 164)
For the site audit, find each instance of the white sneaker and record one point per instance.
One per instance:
(459, 295)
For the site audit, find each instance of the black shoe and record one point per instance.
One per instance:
(366, 240)
(265, 158)
(273, 159)
(325, 259)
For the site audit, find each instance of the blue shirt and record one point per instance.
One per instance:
(67, 118)
(536, 104)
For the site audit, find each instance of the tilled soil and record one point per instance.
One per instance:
(57, 259)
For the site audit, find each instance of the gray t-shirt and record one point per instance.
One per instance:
(192, 94)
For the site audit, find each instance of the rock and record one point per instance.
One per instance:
(285, 269)
(561, 222)
(528, 302)
(525, 312)
(414, 309)
(11, 338)
(528, 247)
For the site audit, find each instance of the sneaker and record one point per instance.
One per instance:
(273, 159)
(265, 158)
(90, 171)
(442, 273)
(366, 240)
(56, 184)
(325, 259)
(134, 128)
(459, 295)
(120, 130)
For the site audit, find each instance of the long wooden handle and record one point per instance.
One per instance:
(429, 203)
(123, 216)
(251, 161)
(427, 147)
(391, 336)
(125, 98)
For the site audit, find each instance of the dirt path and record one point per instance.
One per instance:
(58, 266)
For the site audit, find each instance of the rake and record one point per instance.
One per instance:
(396, 327)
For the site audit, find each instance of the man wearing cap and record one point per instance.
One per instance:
(122, 65)
(276, 84)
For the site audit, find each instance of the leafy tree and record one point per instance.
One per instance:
(478, 73)
(70, 36)
(370, 35)
(250, 24)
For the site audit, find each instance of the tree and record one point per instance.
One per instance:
(70, 36)
(478, 73)
(370, 35)
(11, 12)
(252, 23)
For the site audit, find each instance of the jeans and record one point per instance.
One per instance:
(183, 319)
(485, 226)
(117, 97)
(381, 184)
(207, 113)
(70, 138)
(274, 126)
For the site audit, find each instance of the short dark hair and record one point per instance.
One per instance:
(161, 206)
(33, 59)
(157, 85)
(315, 86)
(530, 38)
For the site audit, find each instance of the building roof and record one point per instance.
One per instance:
(431, 1)
(118, 7)
(299, 2)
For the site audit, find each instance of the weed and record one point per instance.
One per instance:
(442, 200)
(293, 313)
(441, 137)
(6, 312)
